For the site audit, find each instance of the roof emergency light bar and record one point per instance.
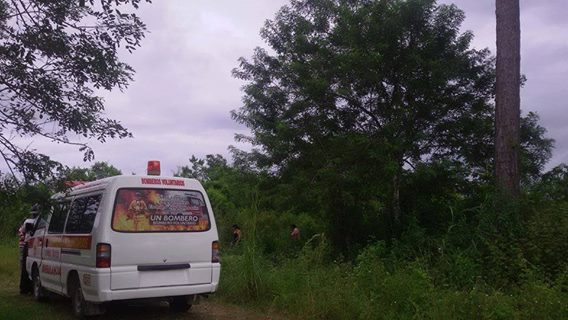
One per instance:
(153, 168)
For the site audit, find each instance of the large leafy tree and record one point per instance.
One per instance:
(397, 75)
(54, 58)
(353, 94)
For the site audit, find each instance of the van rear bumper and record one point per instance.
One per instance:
(157, 292)
(98, 288)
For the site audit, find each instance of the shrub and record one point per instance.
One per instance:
(546, 239)
(537, 300)
(458, 270)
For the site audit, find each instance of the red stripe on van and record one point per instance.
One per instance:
(70, 242)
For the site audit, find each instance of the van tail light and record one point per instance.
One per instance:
(103, 255)
(215, 252)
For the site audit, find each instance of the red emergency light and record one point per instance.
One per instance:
(153, 168)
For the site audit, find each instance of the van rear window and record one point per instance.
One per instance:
(159, 210)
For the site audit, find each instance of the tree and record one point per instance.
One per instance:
(54, 56)
(228, 186)
(535, 149)
(553, 185)
(98, 170)
(507, 97)
(74, 174)
(394, 80)
(16, 201)
(102, 169)
(198, 170)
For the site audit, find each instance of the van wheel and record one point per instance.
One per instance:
(81, 307)
(78, 300)
(180, 304)
(39, 291)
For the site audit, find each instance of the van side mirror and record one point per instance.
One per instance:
(29, 227)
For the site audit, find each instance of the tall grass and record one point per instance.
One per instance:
(377, 286)
(14, 306)
(302, 288)
(9, 264)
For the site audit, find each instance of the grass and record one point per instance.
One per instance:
(309, 287)
(15, 306)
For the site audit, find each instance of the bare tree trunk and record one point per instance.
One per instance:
(507, 113)
(396, 212)
(396, 199)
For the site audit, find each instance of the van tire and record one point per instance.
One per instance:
(77, 298)
(39, 292)
(180, 304)
(81, 307)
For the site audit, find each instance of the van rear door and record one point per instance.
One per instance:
(161, 238)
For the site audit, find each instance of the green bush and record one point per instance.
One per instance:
(313, 291)
(458, 270)
(537, 299)
(15, 203)
(546, 239)
(269, 230)
(474, 304)
(13, 210)
(390, 295)
(380, 286)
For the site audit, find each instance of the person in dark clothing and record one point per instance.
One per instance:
(24, 233)
(236, 235)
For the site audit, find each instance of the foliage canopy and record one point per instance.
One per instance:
(54, 57)
(356, 97)
(98, 170)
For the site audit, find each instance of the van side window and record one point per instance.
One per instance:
(58, 216)
(41, 221)
(82, 214)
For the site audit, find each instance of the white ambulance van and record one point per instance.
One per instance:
(127, 237)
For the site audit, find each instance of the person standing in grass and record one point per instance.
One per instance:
(236, 235)
(24, 233)
(295, 234)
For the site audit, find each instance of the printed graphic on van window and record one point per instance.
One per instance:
(154, 210)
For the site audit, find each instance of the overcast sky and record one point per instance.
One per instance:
(183, 91)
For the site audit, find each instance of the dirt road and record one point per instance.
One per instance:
(212, 310)
(206, 310)
(14, 307)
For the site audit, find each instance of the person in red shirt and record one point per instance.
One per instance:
(295, 234)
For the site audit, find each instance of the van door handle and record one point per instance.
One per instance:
(46, 241)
